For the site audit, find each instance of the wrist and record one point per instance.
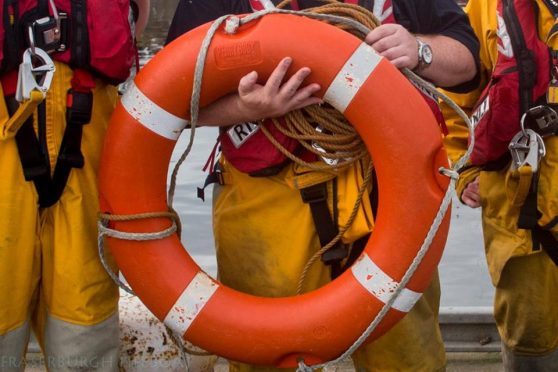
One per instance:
(243, 110)
(424, 55)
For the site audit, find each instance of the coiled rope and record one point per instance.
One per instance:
(324, 131)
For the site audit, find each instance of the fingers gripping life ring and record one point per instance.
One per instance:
(399, 131)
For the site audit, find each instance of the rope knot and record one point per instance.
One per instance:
(453, 174)
(231, 24)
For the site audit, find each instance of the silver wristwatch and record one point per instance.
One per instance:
(424, 55)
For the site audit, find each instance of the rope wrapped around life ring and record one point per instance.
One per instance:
(399, 131)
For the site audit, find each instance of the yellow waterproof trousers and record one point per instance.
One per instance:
(528, 327)
(264, 235)
(50, 273)
(526, 279)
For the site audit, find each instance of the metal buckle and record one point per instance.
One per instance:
(542, 119)
(526, 148)
(46, 33)
(35, 73)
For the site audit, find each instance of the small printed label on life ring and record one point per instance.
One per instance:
(233, 55)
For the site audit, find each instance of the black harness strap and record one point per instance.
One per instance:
(529, 214)
(326, 228)
(79, 34)
(33, 161)
(32, 150)
(529, 219)
(12, 37)
(78, 113)
(547, 241)
(29, 149)
(525, 58)
(551, 224)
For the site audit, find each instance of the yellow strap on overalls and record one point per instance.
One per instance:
(522, 177)
(10, 125)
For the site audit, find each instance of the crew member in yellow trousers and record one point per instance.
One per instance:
(518, 188)
(264, 232)
(51, 278)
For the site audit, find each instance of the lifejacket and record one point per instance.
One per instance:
(519, 81)
(522, 87)
(94, 35)
(95, 39)
(249, 150)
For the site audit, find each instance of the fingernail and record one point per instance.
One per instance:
(288, 60)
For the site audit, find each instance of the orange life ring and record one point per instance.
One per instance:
(399, 131)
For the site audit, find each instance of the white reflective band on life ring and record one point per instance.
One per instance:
(381, 286)
(151, 115)
(352, 76)
(190, 303)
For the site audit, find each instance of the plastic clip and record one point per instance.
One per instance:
(526, 148)
(35, 74)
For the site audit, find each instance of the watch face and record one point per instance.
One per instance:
(426, 54)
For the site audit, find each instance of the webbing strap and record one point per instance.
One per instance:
(528, 213)
(79, 34)
(524, 57)
(12, 123)
(523, 177)
(326, 228)
(78, 113)
(28, 145)
(528, 219)
(34, 158)
(33, 161)
(547, 241)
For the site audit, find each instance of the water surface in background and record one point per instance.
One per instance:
(463, 272)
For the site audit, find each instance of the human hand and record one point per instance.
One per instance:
(276, 98)
(471, 195)
(395, 43)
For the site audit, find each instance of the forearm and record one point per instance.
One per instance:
(224, 111)
(452, 64)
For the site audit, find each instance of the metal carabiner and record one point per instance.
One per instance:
(526, 148)
(35, 73)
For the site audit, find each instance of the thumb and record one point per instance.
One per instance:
(247, 83)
